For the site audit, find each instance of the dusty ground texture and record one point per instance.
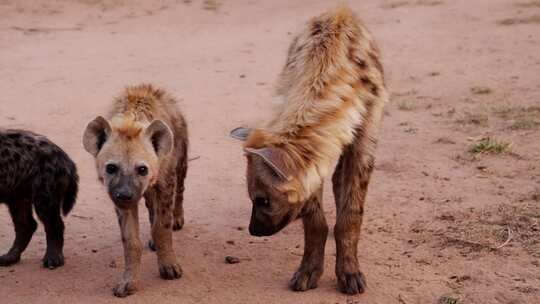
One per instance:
(453, 208)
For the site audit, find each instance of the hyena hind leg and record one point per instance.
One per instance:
(315, 234)
(25, 226)
(54, 230)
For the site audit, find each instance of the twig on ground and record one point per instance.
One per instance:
(508, 239)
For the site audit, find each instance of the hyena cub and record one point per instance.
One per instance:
(141, 151)
(36, 172)
(333, 92)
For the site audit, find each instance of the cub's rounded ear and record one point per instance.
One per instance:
(161, 137)
(240, 133)
(95, 135)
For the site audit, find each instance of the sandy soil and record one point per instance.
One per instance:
(459, 71)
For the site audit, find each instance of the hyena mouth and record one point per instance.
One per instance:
(258, 227)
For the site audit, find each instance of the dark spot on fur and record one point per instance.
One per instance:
(366, 82)
(317, 28)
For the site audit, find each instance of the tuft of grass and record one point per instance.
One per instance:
(473, 119)
(211, 5)
(448, 300)
(489, 145)
(524, 124)
(522, 20)
(480, 90)
(406, 106)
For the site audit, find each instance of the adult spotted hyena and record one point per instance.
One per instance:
(36, 172)
(333, 92)
(141, 151)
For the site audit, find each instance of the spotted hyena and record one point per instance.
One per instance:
(36, 172)
(140, 149)
(332, 92)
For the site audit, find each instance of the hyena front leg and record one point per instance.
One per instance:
(128, 219)
(25, 226)
(315, 234)
(150, 208)
(179, 201)
(350, 182)
(162, 198)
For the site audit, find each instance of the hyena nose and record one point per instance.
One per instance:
(123, 195)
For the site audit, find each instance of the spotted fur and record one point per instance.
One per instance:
(36, 172)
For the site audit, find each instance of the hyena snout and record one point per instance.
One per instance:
(125, 192)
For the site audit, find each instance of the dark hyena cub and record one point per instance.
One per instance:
(333, 92)
(36, 172)
(141, 151)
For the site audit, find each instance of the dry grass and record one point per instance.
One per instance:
(480, 90)
(406, 105)
(476, 119)
(400, 3)
(534, 19)
(211, 5)
(529, 4)
(524, 124)
(492, 228)
(507, 111)
(444, 140)
(489, 145)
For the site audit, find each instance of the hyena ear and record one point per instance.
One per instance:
(240, 133)
(273, 158)
(95, 135)
(161, 137)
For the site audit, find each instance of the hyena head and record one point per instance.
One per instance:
(273, 187)
(128, 155)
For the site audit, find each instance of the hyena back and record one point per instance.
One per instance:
(332, 91)
(36, 172)
(140, 149)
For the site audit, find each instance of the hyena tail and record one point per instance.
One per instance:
(72, 188)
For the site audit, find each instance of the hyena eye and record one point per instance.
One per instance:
(142, 170)
(111, 169)
(261, 201)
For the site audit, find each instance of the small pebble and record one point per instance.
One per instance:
(232, 260)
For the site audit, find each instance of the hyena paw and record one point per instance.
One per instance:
(178, 223)
(352, 283)
(124, 288)
(170, 271)
(9, 259)
(305, 279)
(53, 260)
(151, 245)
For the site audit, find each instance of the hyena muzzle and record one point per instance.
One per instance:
(333, 92)
(36, 172)
(140, 150)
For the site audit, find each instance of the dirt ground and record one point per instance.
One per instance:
(453, 210)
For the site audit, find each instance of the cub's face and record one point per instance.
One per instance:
(127, 168)
(271, 208)
(127, 156)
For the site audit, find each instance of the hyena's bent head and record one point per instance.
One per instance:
(273, 186)
(127, 154)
